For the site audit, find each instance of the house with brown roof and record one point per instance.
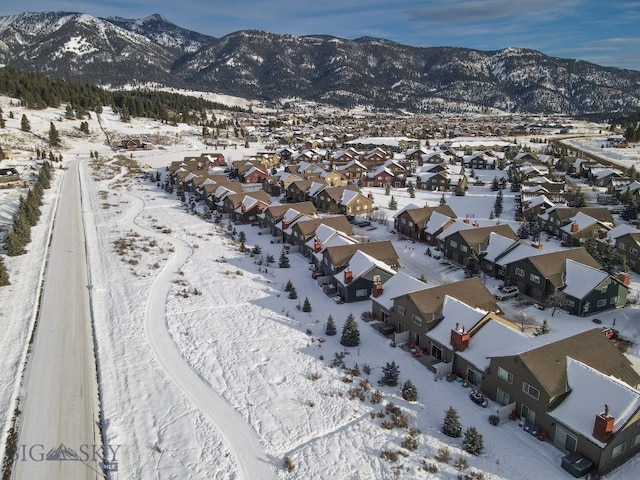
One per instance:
(419, 311)
(244, 206)
(274, 214)
(580, 390)
(541, 275)
(336, 258)
(552, 220)
(361, 277)
(411, 222)
(303, 231)
(459, 243)
(347, 200)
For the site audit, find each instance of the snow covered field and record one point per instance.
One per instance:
(208, 370)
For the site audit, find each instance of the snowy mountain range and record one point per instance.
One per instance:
(265, 66)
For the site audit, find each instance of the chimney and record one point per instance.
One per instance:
(377, 289)
(348, 275)
(476, 224)
(542, 210)
(370, 196)
(574, 227)
(602, 233)
(243, 208)
(466, 220)
(603, 426)
(317, 245)
(285, 224)
(625, 278)
(459, 339)
(525, 206)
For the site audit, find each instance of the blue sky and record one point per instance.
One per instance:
(606, 32)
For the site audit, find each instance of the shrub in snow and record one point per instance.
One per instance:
(306, 306)
(443, 455)
(283, 262)
(288, 286)
(293, 294)
(289, 465)
(409, 391)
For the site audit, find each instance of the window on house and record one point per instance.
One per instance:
(401, 310)
(403, 221)
(531, 391)
(528, 414)
(633, 251)
(410, 223)
(463, 248)
(361, 292)
(622, 246)
(632, 263)
(570, 303)
(635, 441)
(453, 243)
(601, 303)
(565, 440)
(416, 319)
(534, 278)
(505, 375)
(613, 300)
(502, 397)
(519, 272)
(618, 449)
(436, 352)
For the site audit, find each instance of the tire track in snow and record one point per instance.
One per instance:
(239, 437)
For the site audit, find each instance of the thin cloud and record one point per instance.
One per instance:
(473, 11)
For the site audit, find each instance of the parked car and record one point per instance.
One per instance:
(576, 464)
(507, 292)
(477, 397)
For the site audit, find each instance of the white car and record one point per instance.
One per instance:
(507, 292)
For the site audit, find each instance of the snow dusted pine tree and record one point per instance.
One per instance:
(330, 329)
(390, 374)
(452, 427)
(409, 391)
(473, 442)
(350, 333)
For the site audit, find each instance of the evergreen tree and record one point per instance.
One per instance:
(452, 427)
(443, 201)
(24, 124)
(12, 244)
(390, 374)
(256, 250)
(387, 189)
(330, 328)
(270, 259)
(497, 206)
(4, 273)
(543, 328)
(3, 122)
(350, 333)
(409, 391)
(473, 442)
(630, 212)
(411, 190)
(472, 268)
(523, 232)
(306, 306)
(284, 260)
(54, 137)
(393, 205)
(293, 294)
(495, 186)
(288, 286)
(242, 237)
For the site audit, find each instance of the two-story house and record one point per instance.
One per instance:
(412, 220)
(460, 243)
(562, 387)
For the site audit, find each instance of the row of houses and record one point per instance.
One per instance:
(547, 382)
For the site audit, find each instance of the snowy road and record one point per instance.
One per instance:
(251, 461)
(59, 408)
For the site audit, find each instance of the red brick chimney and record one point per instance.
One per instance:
(602, 233)
(244, 208)
(317, 245)
(574, 227)
(377, 289)
(542, 210)
(348, 276)
(285, 224)
(603, 426)
(459, 339)
(625, 278)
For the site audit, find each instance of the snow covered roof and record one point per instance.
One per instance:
(582, 220)
(497, 245)
(399, 284)
(490, 337)
(348, 196)
(619, 231)
(335, 238)
(590, 391)
(457, 314)
(360, 264)
(522, 250)
(436, 221)
(580, 279)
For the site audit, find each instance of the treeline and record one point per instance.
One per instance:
(38, 91)
(28, 213)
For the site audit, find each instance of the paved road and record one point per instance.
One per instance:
(59, 409)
